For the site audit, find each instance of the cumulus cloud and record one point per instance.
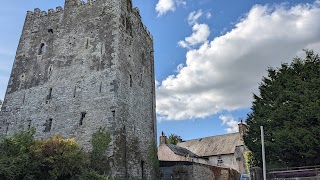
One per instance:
(164, 6)
(223, 74)
(229, 121)
(194, 16)
(200, 34)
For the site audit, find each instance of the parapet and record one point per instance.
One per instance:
(38, 13)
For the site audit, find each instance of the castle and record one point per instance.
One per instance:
(85, 66)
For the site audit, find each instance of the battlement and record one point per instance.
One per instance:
(38, 13)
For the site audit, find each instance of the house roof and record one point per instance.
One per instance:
(181, 151)
(215, 145)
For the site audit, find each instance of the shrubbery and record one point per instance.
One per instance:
(23, 157)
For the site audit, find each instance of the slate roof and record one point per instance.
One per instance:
(181, 151)
(215, 145)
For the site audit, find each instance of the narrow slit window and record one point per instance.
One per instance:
(7, 128)
(83, 115)
(48, 125)
(24, 98)
(74, 91)
(41, 49)
(113, 114)
(130, 80)
(100, 88)
(50, 94)
(87, 44)
(142, 169)
(29, 124)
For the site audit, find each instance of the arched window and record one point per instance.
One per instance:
(41, 49)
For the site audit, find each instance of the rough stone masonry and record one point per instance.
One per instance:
(82, 67)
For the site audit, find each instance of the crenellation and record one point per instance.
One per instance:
(50, 11)
(78, 62)
(59, 9)
(43, 13)
(37, 12)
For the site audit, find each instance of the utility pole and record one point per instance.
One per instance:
(263, 154)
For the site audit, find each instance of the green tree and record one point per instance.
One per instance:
(173, 139)
(288, 108)
(98, 159)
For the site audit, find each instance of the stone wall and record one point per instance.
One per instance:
(87, 66)
(195, 171)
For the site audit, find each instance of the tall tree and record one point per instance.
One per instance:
(288, 108)
(173, 139)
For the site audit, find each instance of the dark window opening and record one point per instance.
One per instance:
(41, 49)
(24, 98)
(83, 115)
(113, 115)
(7, 128)
(29, 124)
(74, 92)
(48, 125)
(87, 44)
(50, 94)
(100, 88)
(142, 169)
(130, 81)
(50, 69)
(50, 31)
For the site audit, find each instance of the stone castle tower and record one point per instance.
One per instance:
(82, 67)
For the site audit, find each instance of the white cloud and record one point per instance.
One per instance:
(223, 74)
(200, 34)
(230, 121)
(208, 15)
(194, 16)
(163, 6)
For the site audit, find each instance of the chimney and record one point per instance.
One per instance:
(242, 129)
(163, 139)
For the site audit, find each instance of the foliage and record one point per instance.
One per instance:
(100, 142)
(22, 157)
(288, 108)
(15, 156)
(249, 160)
(173, 139)
(153, 159)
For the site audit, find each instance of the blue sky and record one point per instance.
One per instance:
(209, 55)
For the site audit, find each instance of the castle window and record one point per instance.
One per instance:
(142, 169)
(29, 124)
(87, 44)
(74, 91)
(220, 161)
(50, 94)
(130, 80)
(41, 49)
(48, 125)
(50, 31)
(113, 115)
(83, 115)
(7, 128)
(100, 88)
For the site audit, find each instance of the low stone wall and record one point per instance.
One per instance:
(195, 171)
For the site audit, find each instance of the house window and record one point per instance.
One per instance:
(48, 125)
(83, 115)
